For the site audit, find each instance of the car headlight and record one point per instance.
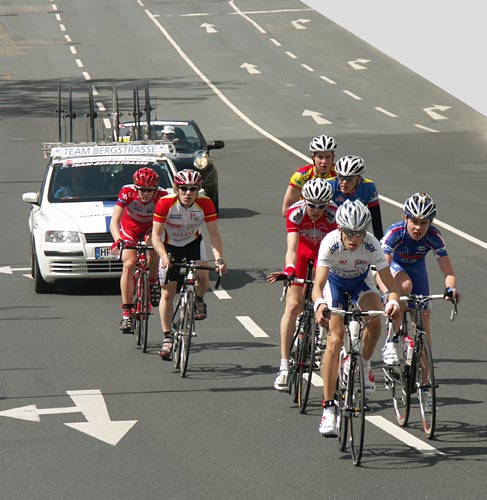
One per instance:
(202, 161)
(62, 237)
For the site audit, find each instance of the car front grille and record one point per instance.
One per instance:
(95, 267)
(98, 238)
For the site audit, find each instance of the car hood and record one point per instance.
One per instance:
(84, 217)
(184, 160)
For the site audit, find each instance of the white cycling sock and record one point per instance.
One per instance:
(284, 364)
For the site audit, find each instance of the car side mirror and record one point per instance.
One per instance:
(32, 198)
(215, 145)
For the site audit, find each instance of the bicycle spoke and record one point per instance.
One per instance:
(186, 333)
(342, 414)
(305, 363)
(144, 311)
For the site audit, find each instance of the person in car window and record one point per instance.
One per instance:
(132, 222)
(168, 133)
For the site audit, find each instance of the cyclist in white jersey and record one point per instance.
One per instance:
(344, 262)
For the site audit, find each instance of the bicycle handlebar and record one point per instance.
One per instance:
(192, 265)
(423, 299)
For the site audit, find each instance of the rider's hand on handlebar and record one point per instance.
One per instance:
(220, 266)
(117, 246)
(452, 294)
(392, 309)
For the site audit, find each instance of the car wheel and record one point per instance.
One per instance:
(40, 285)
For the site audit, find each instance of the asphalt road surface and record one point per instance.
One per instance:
(264, 77)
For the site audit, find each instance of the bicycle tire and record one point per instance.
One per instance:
(306, 361)
(136, 315)
(176, 335)
(425, 369)
(401, 394)
(144, 312)
(293, 363)
(356, 407)
(342, 414)
(187, 333)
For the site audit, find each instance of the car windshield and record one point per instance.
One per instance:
(99, 180)
(185, 137)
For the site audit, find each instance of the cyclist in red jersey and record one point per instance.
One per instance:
(132, 221)
(308, 222)
(176, 231)
(322, 150)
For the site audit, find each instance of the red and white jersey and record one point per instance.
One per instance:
(135, 210)
(310, 232)
(182, 225)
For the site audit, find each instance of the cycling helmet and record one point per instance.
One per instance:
(188, 177)
(349, 165)
(146, 178)
(353, 215)
(322, 143)
(420, 206)
(317, 190)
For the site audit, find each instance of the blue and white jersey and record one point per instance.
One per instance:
(406, 251)
(366, 192)
(346, 265)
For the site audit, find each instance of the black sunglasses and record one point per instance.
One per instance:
(314, 206)
(146, 190)
(347, 178)
(351, 234)
(192, 189)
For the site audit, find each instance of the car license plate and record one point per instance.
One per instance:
(104, 253)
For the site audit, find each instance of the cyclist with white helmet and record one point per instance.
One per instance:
(177, 230)
(406, 244)
(307, 223)
(322, 150)
(132, 220)
(344, 260)
(349, 184)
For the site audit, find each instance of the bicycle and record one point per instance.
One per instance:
(350, 391)
(183, 322)
(142, 306)
(307, 346)
(415, 372)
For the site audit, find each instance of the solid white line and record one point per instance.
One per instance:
(329, 80)
(241, 13)
(258, 128)
(425, 128)
(222, 294)
(388, 113)
(403, 435)
(351, 94)
(291, 55)
(252, 327)
(275, 42)
(305, 66)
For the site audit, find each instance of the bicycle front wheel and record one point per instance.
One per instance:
(144, 311)
(356, 407)
(305, 363)
(186, 334)
(176, 335)
(426, 384)
(342, 413)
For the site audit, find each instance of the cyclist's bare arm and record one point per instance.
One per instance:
(216, 245)
(115, 225)
(392, 308)
(321, 277)
(157, 243)
(291, 196)
(450, 278)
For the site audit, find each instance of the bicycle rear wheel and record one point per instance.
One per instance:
(305, 362)
(426, 384)
(356, 408)
(186, 334)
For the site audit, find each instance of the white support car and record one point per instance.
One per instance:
(70, 217)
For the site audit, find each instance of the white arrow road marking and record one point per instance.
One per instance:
(210, 28)
(317, 117)
(251, 326)
(298, 24)
(10, 270)
(89, 402)
(432, 111)
(403, 435)
(357, 64)
(251, 68)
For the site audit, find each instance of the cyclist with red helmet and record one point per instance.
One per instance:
(176, 231)
(131, 222)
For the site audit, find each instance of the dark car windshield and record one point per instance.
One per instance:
(99, 181)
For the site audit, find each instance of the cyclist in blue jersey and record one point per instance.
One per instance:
(406, 244)
(349, 184)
